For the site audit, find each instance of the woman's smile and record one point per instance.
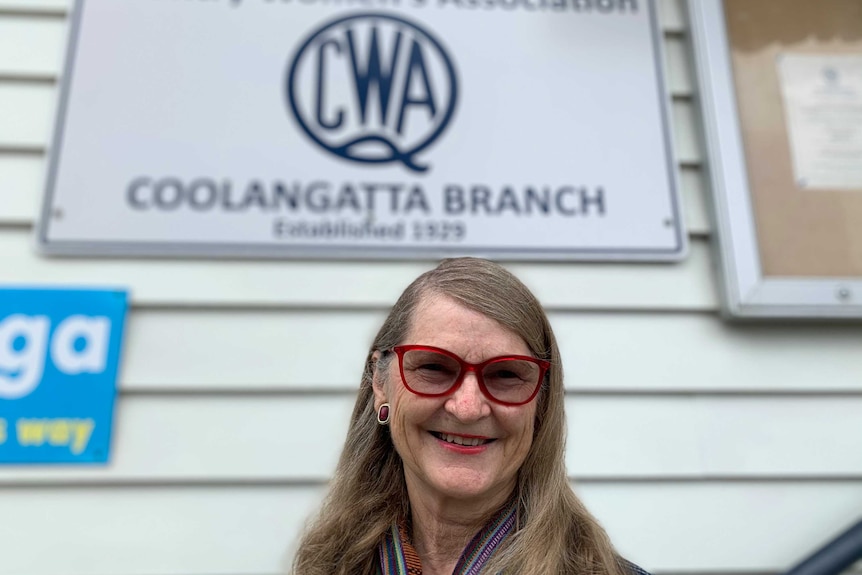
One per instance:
(462, 444)
(461, 439)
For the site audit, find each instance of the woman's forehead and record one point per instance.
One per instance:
(441, 321)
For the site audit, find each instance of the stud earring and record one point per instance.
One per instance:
(383, 414)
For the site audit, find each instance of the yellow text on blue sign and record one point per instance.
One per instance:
(72, 433)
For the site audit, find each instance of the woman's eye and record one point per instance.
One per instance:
(434, 367)
(504, 374)
(504, 377)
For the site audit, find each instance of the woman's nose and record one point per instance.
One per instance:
(468, 403)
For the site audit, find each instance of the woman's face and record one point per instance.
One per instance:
(420, 425)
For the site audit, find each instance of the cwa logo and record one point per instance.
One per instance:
(372, 88)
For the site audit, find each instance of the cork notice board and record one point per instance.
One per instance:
(781, 92)
(801, 231)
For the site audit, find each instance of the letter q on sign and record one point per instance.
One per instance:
(24, 350)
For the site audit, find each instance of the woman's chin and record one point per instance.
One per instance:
(466, 484)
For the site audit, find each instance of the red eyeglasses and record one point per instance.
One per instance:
(434, 372)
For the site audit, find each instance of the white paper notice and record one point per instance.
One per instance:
(823, 107)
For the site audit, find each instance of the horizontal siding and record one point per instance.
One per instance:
(672, 15)
(236, 350)
(684, 286)
(32, 48)
(21, 182)
(26, 114)
(28, 6)
(725, 527)
(693, 194)
(253, 439)
(686, 134)
(678, 65)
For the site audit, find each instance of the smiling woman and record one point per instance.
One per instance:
(454, 460)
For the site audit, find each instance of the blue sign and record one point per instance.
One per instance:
(373, 88)
(59, 357)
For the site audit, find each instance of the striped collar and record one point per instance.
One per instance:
(398, 557)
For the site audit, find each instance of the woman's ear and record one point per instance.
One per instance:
(378, 379)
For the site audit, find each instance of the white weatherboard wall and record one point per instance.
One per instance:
(702, 447)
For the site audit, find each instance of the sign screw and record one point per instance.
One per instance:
(843, 294)
(668, 222)
(57, 214)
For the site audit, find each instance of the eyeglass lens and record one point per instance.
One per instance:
(508, 380)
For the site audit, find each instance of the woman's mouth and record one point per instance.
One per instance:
(465, 440)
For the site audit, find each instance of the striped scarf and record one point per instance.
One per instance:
(398, 557)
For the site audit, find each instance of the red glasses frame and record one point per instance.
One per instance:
(476, 368)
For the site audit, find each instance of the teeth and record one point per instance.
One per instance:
(458, 440)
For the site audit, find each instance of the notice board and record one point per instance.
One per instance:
(806, 229)
(781, 87)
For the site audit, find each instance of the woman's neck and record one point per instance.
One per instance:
(443, 528)
(440, 539)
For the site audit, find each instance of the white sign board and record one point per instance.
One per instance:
(531, 129)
